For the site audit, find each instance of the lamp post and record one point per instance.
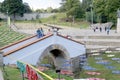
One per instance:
(8, 20)
(58, 71)
(91, 11)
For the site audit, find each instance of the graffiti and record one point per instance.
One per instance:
(31, 74)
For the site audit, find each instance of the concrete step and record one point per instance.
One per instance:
(96, 47)
(101, 42)
(98, 37)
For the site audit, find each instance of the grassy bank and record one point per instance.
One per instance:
(8, 36)
(59, 19)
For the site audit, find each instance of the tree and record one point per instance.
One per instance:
(99, 8)
(49, 9)
(55, 10)
(86, 4)
(111, 9)
(62, 8)
(0, 6)
(39, 11)
(106, 9)
(72, 8)
(13, 7)
(27, 8)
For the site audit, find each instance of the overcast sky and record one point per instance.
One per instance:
(38, 4)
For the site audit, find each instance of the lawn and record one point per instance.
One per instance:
(59, 19)
(8, 36)
(13, 73)
(105, 73)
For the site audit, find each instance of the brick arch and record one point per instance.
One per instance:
(56, 52)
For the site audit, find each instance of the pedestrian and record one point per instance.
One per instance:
(94, 29)
(39, 33)
(105, 28)
(42, 31)
(108, 30)
(49, 32)
(100, 29)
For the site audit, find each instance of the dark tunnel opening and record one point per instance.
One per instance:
(56, 53)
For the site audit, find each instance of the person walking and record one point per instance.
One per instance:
(108, 30)
(42, 31)
(100, 29)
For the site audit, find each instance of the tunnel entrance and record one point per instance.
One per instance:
(59, 58)
(56, 55)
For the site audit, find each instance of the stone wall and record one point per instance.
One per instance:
(2, 16)
(1, 59)
(75, 64)
(28, 16)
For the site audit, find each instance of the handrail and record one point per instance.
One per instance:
(70, 39)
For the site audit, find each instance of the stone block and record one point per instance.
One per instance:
(1, 59)
(118, 25)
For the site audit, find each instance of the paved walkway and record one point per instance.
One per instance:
(64, 31)
(80, 32)
(75, 32)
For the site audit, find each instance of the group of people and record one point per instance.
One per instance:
(107, 29)
(40, 32)
(102, 26)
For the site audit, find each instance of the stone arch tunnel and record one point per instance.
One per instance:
(58, 54)
(32, 50)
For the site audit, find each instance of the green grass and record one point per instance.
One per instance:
(58, 20)
(12, 74)
(8, 36)
(54, 75)
(105, 73)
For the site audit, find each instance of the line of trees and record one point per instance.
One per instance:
(14, 7)
(106, 10)
(73, 8)
(102, 10)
